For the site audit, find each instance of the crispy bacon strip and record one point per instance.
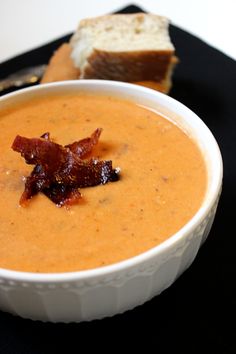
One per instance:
(37, 180)
(62, 195)
(83, 148)
(35, 183)
(60, 164)
(59, 171)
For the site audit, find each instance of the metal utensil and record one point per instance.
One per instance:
(23, 77)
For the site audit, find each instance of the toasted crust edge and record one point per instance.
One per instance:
(128, 66)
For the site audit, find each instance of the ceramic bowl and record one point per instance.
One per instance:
(106, 291)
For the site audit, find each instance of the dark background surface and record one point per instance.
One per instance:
(197, 313)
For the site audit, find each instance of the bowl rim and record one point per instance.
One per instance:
(127, 264)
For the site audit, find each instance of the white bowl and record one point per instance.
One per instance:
(97, 293)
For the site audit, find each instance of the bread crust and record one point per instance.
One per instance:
(127, 66)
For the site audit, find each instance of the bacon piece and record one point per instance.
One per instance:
(60, 164)
(37, 180)
(35, 183)
(58, 193)
(83, 148)
(60, 171)
(62, 195)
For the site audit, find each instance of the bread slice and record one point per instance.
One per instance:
(130, 47)
(60, 66)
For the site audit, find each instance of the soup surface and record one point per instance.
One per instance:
(163, 181)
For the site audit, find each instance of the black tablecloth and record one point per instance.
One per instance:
(197, 313)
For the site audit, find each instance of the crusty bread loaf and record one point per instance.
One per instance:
(131, 48)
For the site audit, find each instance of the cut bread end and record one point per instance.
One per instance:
(131, 48)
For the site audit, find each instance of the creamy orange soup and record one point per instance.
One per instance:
(162, 184)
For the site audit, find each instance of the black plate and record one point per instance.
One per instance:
(197, 313)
